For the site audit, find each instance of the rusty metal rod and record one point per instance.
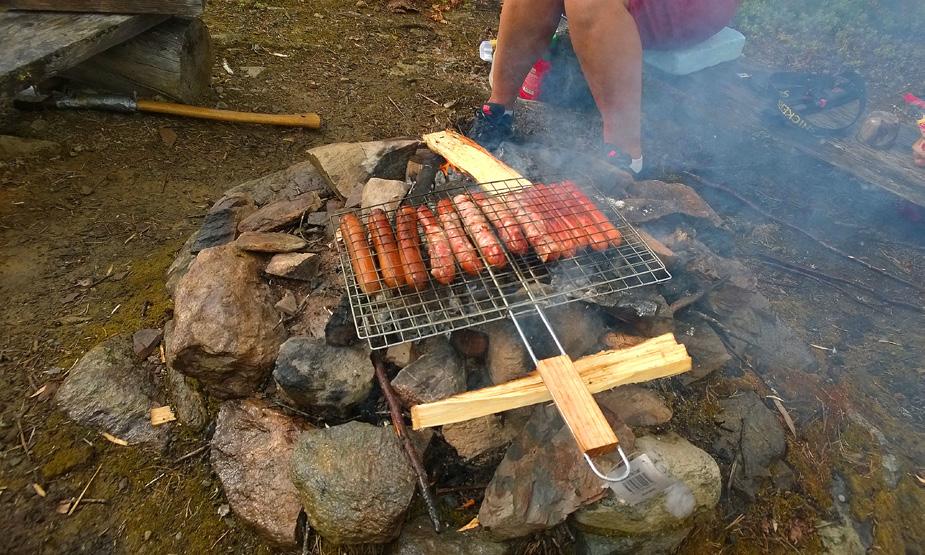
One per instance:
(398, 421)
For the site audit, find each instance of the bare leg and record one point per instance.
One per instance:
(524, 34)
(606, 41)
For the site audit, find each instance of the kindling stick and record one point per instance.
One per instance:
(398, 422)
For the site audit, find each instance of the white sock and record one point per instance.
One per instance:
(636, 164)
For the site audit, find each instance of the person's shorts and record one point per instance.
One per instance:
(669, 24)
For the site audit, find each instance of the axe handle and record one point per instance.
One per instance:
(309, 120)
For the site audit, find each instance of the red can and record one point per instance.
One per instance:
(532, 87)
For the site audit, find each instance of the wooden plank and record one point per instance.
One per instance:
(720, 96)
(576, 405)
(470, 158)
(189, 8)
(173, 59)
(37, 46)
(655, 358)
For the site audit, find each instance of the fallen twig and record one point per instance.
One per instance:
(192, 453)
(804, 232)
(399, 423)
(86, 487)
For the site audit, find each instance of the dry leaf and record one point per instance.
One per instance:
(783, 412)
(401, 6)
(474, 523)
(63, 506)
(114, 439)
(467, 503)
(38, 392)
(168, 136)
(921, 479)
(39, 490)
(162, 415)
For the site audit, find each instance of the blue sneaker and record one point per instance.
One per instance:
(491, 126)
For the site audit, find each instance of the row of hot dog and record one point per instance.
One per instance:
(556, 221)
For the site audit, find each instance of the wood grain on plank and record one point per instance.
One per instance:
(469, 157)
(163, 7)
(583, 417)
(655, 358)
(37, 46)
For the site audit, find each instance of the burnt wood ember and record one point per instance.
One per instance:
(340, 330)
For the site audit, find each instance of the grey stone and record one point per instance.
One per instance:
(251, 449)
(635, 405)
(437, 373)
(221, 222)
(316, 375)
(706, 348)
(479, 436)
(287, 305)
(188, 403)
(642, 308)
(578, 326)
(109, 390)
(659, 523)
(750, 434)
(418, 538)
(296, 179)
(354, 482)
(840, 539)
(345, 167)
(281, 213)
(401, 355)
(225, 330)
(294, 265)
(543, 477)
(145, 341)
(269, 242)
(388, 192)
(18, 147)
(646, 201)
(180, 265)
(507, 358)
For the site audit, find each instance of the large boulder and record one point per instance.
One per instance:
(657, 521)
(109, 389)
(354, 482)
(225, 331)
(345, 167)
(316, 375)
(750, 434)
(418, 538)
(250, 453)
(437, 373)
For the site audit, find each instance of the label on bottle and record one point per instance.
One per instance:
(644, 482)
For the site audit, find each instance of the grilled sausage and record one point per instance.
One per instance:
(557, 198)
(393, 274)
(568, 246)
(409, 247)
(442, 265)
(533, 227)
(465, 253)
(361, 258)
(480, 231)
(603, 224)
(504, 221)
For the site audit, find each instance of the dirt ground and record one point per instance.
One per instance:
(87, 236)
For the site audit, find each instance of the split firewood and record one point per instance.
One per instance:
(659, 357)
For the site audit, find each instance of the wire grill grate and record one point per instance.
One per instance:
(395, 315)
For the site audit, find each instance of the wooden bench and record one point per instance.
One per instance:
(39, 45)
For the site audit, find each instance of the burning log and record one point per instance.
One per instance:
(469, 157)
(659, 357)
